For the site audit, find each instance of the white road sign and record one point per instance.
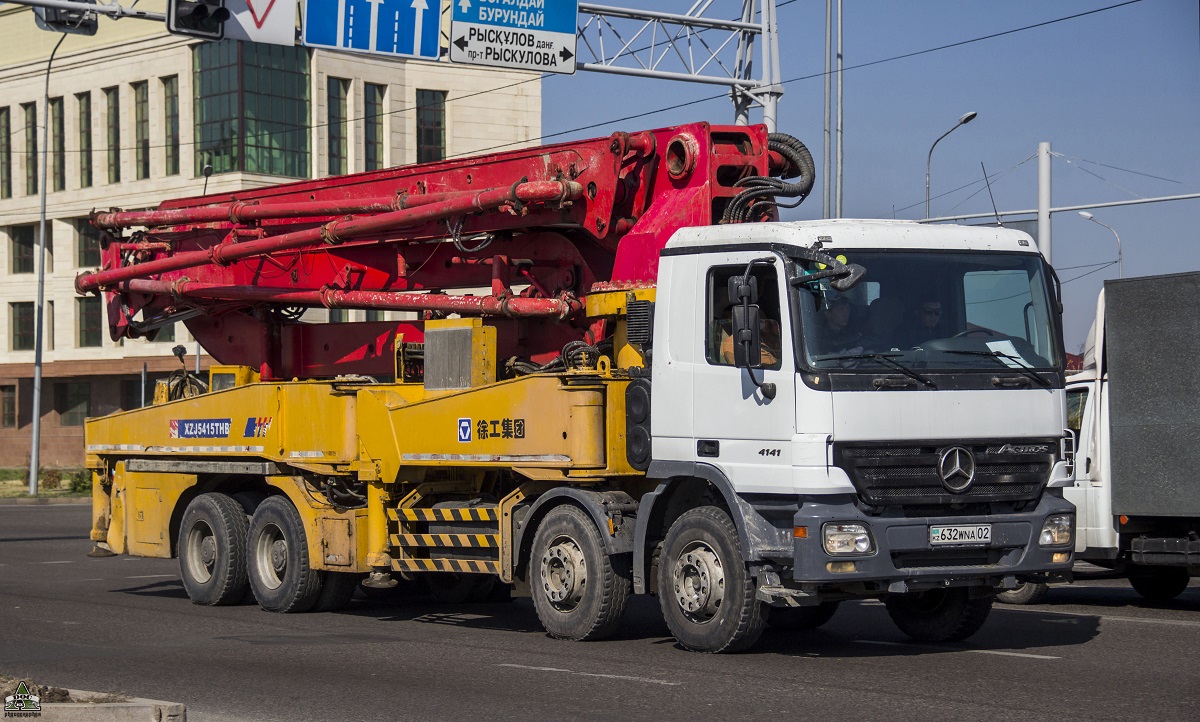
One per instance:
(262, 21)
(523, 34)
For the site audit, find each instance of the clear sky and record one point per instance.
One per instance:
(1119, 87)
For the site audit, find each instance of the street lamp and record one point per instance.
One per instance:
(1120, 258)
(966, 118)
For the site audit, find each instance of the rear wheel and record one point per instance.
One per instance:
(1025, 593)
(939, 615)
(212, 550)
(578, 590)
(802, 618)
(1159, 584)
(280, 573)
(707, 593)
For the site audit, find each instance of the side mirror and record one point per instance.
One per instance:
(743, 289)
(747, 337)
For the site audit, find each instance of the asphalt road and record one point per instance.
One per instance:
(1094, 651)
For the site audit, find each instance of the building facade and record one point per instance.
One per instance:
(135, 116)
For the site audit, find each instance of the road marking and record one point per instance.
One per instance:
(626, 678)
(150, 576)
(1074, 617)
(881, 643)
(1174, 622)
(68, 561)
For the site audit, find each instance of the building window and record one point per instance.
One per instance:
(338, 315)
(252, 108)
(171, 121)
(141, 129)
(112, 100)
(337, 126)
(85, 139)
(31, 149)
(5, 154)
(88, 321)
(20, 320)
(374, 315)
(165, 334)
(87, 249)
(21, 249)
(373, 97)
(8, 407)
(431, 125)
(49, 321)
(58, 150)
(131, 394)
(72, 402)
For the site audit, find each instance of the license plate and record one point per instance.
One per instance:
(961, 534)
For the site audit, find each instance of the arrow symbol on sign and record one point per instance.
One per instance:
(374, 20)
(465, 5)
(420, 6)
(566, 55)
(462, 43)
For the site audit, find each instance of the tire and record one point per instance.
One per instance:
(801, 618)
(1159, 584)
(706, 591)
(1025, 593)
(939, 615)
(579, 591)
(337, 590)
(277, 561)
(212, 550)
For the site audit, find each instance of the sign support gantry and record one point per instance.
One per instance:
(697, 46)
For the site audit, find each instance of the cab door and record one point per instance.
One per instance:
(737, 428)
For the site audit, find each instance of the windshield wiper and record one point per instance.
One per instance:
(999, 356)
(887, 359)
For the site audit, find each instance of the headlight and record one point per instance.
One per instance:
(1057, 530)
(842, 539)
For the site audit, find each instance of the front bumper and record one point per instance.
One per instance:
(904, 560)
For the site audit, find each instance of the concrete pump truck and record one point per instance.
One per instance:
(616, 373)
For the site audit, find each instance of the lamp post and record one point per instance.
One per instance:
(966, 118)
(1120, 258)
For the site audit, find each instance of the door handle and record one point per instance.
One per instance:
(708, 448)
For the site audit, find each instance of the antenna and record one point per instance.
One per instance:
(989, 187)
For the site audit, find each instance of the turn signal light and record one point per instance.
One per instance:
(1124, 520)
(800, 532)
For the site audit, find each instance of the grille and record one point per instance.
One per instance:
(904, 475)
(947, 558)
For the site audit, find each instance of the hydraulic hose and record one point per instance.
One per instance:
(750, 203)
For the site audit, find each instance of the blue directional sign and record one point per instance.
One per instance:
(525, 34)
(384, 27)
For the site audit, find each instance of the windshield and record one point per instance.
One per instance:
(931, 311)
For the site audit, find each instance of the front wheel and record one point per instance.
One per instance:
(707, 593)
(1159, 584)
(939, 615)
(212, 550)
(281, 576)
(579, 591)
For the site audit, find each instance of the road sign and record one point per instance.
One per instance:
(383, 27)
(262, 21)
(523, 34)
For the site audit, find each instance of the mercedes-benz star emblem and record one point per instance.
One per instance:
(957, 469)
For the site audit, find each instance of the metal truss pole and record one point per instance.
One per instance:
(699, 46)
(113, 11)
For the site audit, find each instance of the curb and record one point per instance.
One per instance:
(42, 500)
(135, 710)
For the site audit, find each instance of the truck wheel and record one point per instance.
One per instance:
(801, 618)
(1025, 593)
(706, 591)
(578, 590)
(212, 550)
(939, 615)
(277, 559)
(337, 590)
(1159, 584)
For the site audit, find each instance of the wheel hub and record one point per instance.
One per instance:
(564, 573)
(279, 555)
(699, 582)
(208, 551)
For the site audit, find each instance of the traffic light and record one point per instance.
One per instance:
(78, 22)
(197, 18)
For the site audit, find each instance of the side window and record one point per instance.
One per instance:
(718, 332)
(1076, 403)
